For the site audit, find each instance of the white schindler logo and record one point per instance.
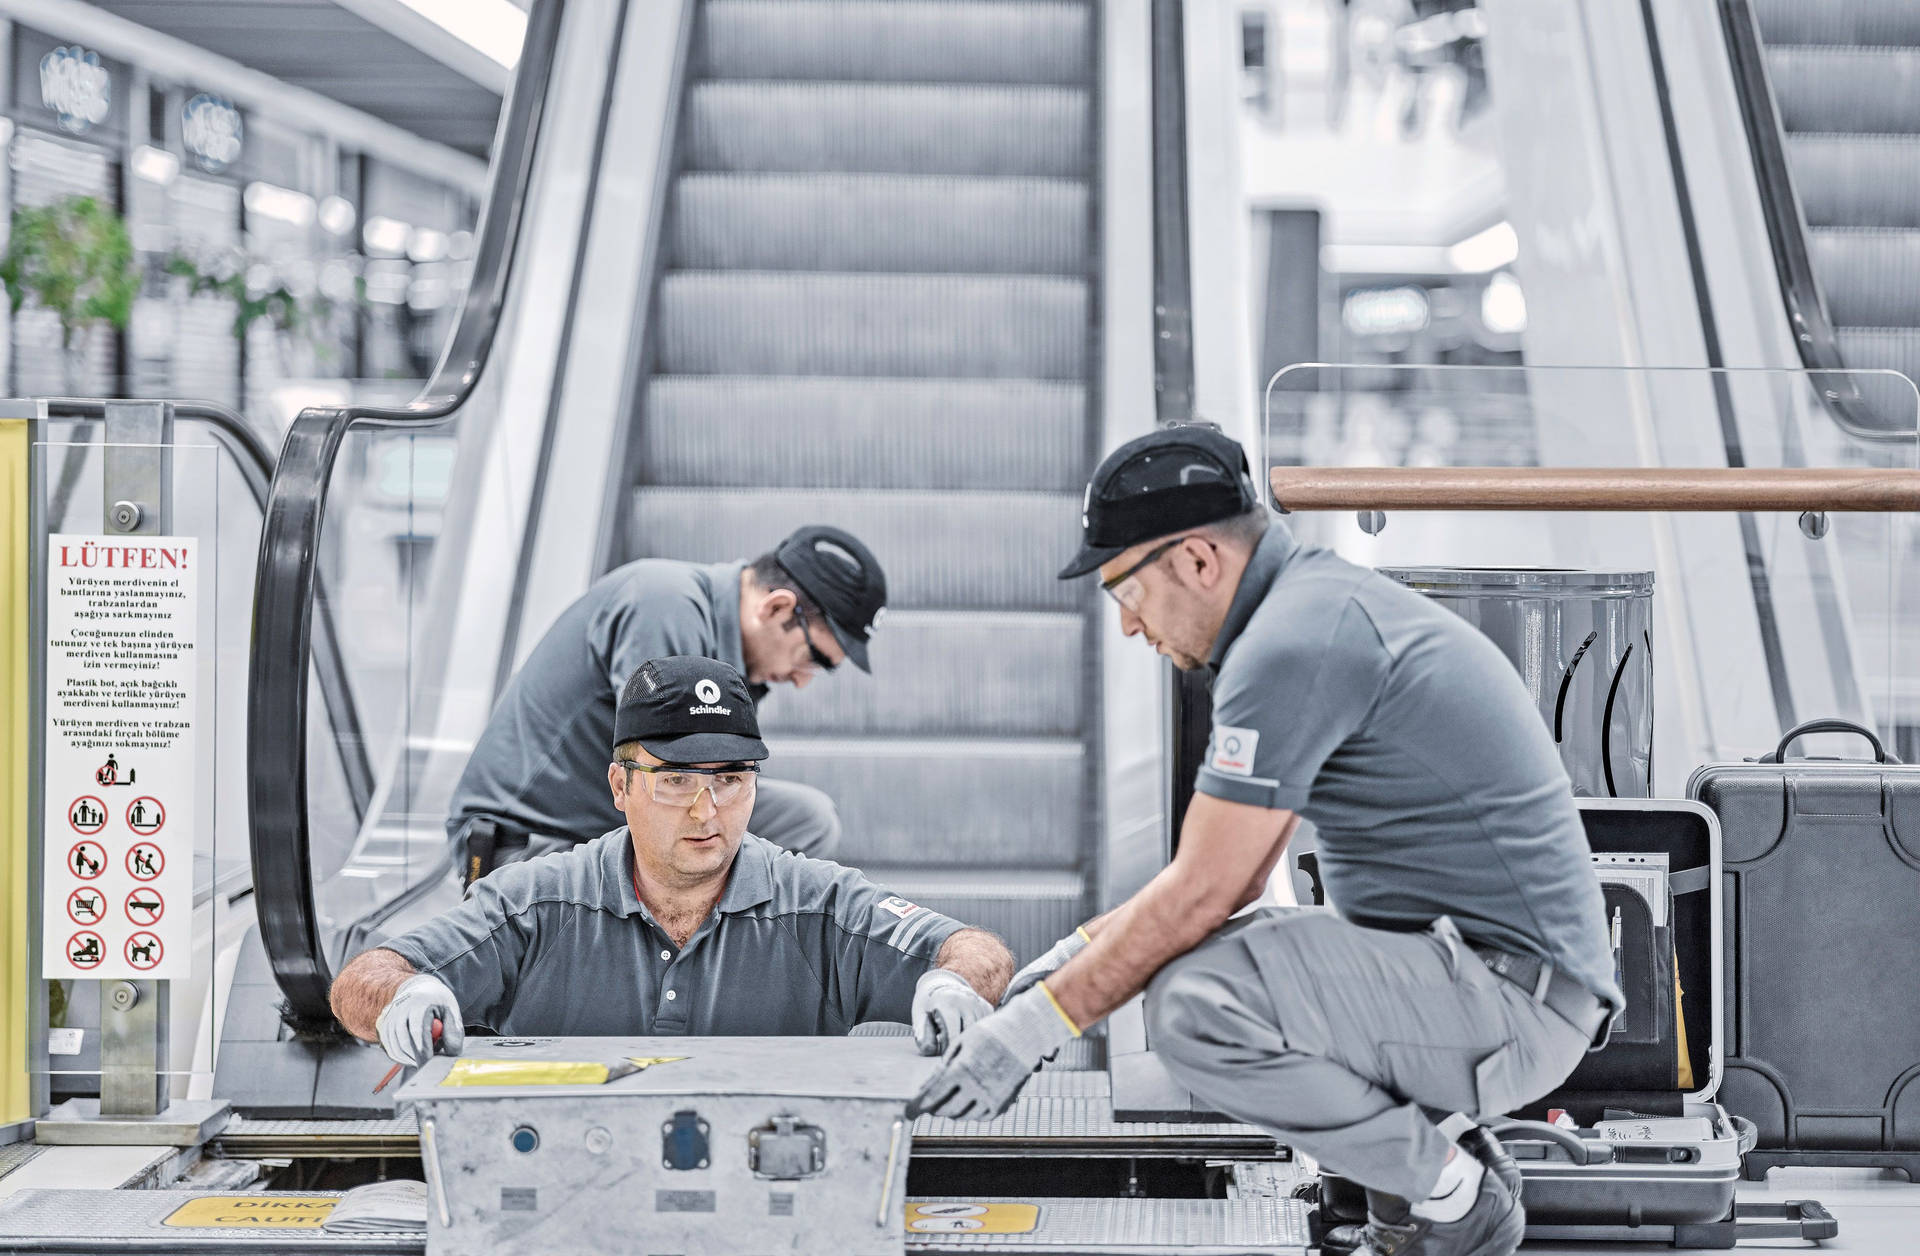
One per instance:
(707, 692)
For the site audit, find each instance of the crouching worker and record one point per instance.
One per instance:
(681, 922)
(1467, 969)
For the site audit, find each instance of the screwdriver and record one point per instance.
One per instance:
(392, 1072)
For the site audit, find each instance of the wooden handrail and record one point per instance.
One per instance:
(1596, 488)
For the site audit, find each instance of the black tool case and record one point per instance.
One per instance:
(1822, 903)
(1580, 1187)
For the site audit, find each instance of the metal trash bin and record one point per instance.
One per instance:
(1583, 643)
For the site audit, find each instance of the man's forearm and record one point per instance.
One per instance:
(364, 987)
(1166, 919)
(981, 959)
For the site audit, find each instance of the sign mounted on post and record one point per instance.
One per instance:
(122, 699)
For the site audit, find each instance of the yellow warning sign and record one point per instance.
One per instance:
(472, 1072)
(971, 1217)
(253, 1212)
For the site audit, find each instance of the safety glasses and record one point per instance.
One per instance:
(820, 660)
(1124, 589)
(674, 786)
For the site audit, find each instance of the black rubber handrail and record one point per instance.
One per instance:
(284, 591)
(254, 459)
(1813, 332)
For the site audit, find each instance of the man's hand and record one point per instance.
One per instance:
(1048, 964)
(405, 1026)
(989, 1063)
(943, 1006)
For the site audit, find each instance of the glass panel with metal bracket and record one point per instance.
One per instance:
(1771, 548)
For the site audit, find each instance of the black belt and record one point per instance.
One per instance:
(1547, 985)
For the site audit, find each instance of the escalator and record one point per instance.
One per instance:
(876, 310)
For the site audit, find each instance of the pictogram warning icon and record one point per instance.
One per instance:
(87, 860)
(144, 951)
(108, 773)
(87, 815)
(85, 950)
(86, 905)
(146, 861)
(145, 815)
(145, 907)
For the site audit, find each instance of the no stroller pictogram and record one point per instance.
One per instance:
(87, 860)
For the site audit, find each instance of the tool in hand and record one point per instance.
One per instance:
(394, 1071)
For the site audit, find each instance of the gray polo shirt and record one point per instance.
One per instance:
(1409, 741)
(562, 944)
(541, 764)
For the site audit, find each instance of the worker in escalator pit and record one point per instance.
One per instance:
(1466, 967)
(681, 922)
(532, 782)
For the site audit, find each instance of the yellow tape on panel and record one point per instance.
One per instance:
(15, 980)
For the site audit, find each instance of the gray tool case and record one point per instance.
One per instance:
(1822, 901)
(1580, 1187)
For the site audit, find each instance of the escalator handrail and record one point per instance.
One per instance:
(284, 590)
(1812, 325)
(253, 457)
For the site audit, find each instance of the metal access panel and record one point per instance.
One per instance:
(727, 1145)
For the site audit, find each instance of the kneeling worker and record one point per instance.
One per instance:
(681, 922)
(533, 781)
(1467, 967)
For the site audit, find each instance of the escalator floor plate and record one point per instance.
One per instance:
(84, 1221)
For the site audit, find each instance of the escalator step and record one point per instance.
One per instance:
(1871, 277)
(878, 223)
(783, 323)
(888, 129)
(1838, 21)
(1030, 909)
(708, 431)
(938, 41)
(949, 674)
(1857, 180)
(995, 551)
(1848, 90)
(946, 803)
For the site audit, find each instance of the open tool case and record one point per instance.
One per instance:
(1663, 1062)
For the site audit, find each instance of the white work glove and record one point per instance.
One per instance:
(985, 1069)
(943, 1006)
(406, 1023)
(1051, 962)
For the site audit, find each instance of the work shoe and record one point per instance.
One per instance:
(1494, 1226)
(1490, 1151)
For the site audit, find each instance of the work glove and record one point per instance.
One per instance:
(943, 1006)
(406, 1024)
(987, 1065)
(1051, 962)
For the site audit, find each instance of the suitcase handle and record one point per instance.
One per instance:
(1582, 1151)
(1829, 725)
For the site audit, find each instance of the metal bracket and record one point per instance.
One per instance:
(786, 1147)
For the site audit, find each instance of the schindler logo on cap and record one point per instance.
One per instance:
(709, 694)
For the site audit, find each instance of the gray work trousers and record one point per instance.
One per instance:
(1333, 1038)
(796, 817)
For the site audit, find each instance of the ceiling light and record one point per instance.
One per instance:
(336, 215)
(386, 235)
(1503, 306)
(1493, 248)
(427, 245)
(495, 28)
(1385, 311)
(155, 165)
(285, 204)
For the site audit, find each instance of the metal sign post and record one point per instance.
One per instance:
(116, 881)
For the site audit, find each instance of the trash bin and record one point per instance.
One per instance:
(1583, 643)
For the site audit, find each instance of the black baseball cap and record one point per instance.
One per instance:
(688, 709)
(843, 578)
(1158, 484)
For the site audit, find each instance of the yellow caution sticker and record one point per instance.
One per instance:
(472, 1072)
(253, 1212)
(973, 1218)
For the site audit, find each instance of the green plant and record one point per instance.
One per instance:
(289, 314)
(72, 257)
